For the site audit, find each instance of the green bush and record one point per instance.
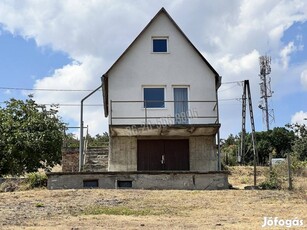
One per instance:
(273, 182)
(276, 178)
(298, 167)
(39, 205)
(36, 180)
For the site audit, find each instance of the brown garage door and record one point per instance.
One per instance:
(163, 155)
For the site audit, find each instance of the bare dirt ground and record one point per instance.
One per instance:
(145, 209)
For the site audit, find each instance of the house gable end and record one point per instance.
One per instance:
(155, 18)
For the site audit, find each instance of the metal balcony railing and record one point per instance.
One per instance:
(169, 112)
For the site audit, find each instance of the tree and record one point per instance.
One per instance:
(277, 141)
(263, 146)
(70, 141)
(281, 140)
(31, 137)
(98, 140)
(300, 143)
(229, 150)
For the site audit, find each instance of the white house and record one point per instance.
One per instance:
(161, 100)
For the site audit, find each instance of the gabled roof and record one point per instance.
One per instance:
(104, 77)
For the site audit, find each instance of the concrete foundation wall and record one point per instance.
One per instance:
(203, 154)
(141, 180)
(123, 154)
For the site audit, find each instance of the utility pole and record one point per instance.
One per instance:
(247, 95)
(266, 93)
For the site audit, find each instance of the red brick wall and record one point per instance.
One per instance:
(70, 159)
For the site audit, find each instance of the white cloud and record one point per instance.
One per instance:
(93, 33)
(230, 34)
(240, 68)
(237, 65)
(7, 92)
(259, 25)
(286, 52)
(299, 117)
(75, 76)
(96, 28)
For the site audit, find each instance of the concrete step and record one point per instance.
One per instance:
(91, 155)
(94, 168)
(96, 159)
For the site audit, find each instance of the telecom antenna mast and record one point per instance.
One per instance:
(266, 92)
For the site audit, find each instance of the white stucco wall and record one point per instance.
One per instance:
(181, 66)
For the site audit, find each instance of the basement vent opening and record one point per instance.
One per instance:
(124, 184)
(90, 184)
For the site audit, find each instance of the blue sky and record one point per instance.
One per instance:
(298, 33)
(70, 44)
(22, 62)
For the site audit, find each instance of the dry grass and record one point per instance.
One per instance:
(145, 209)
(242, 176)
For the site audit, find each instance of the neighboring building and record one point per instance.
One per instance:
(161, 100)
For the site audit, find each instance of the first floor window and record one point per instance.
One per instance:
(154, 98)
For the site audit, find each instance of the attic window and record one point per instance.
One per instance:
(159, 45)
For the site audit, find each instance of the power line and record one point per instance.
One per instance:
(231, 99)
(75, 104)
(232, 82)
(77, 90)
(41, 89)
(57, 104)
(227, 88)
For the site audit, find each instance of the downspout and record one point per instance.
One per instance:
(81, 145)
(219, 166)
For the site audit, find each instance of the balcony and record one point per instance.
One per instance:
(171, 117)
